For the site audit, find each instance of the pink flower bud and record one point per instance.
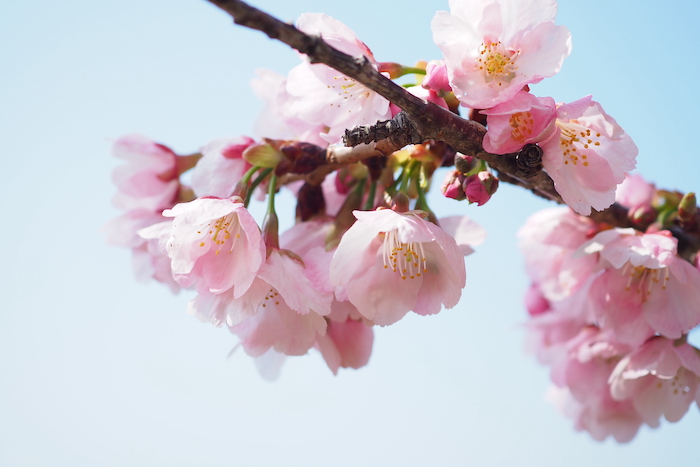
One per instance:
(436, 78)
(479, 188)
(452, 186)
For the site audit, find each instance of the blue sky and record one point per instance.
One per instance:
(98, 370)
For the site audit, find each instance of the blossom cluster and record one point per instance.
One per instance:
(610, 307)
(321, 284)
(610, 311)
(493, 51)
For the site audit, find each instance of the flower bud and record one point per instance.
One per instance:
(452, 186)
(465, 164)
(263, 155)
(479, 188)
(436, 78)
(400, 202)
(687, 207)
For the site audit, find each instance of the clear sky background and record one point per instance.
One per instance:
(99, 370)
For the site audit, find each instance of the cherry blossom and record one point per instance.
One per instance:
(521, 120)
(149, 179)
(321, 96)
(215, 245)
(493, 49)
(588, 155)
(645, 288)
(660, 378)
(390, 263)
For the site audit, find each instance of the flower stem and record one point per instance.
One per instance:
(270, 229)
(255, 183)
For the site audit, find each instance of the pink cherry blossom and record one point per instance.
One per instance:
(389, 263)
(660, 378)
(589, 359)
(221, 167)
(587, 156)
(324, 98)
(521, 120)
(494, 48)
(549, 240)
(215, 245)
(149, 179)
(281, 310)
(635, 192)
(645, 288)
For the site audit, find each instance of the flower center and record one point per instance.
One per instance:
(645, 279)
(408, 259)
(273, 296)
(497, 62)
(221, 232)
(521, 124)
(348, 88)
(574, 140)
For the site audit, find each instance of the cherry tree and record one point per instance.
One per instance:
(614, 269)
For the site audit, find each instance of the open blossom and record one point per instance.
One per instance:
(323, 97)
(390, 263)
(645, 287)
(660, 378)
(588, 155)
(214, 245)
(581, 374)
(521, 120)
(585, 151)
(494, 48)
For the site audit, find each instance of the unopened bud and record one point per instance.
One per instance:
(395, 70)
(479, 188)
(400, 203)
(452, 186)
(465, 164)
(270, 230)
(263, 155)
(436, 78)
(687, 208)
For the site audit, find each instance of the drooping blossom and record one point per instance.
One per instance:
(581, 374)
(549, 241)
(588, 155)
(494, 48)
(221, 167)
(645, 287)
(215, 245)
(390, 263)
(148, 183)
(660, 378)
(323, 97)
(149, 179)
